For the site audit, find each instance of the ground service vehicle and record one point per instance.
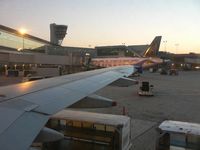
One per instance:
(173, 72)
(145, 89)
(92, 130)
(176, 135)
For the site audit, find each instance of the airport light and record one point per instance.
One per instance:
(87, 54)
(19, 49)
(197, 67)
(15, 66)
(6, 67)
(23, 66)
(22, 31)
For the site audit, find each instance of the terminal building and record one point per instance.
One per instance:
(187, 61)
(20, 51)
(24, 52)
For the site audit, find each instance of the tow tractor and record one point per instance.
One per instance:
(146, 89)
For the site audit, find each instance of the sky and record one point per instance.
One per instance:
(110, 22)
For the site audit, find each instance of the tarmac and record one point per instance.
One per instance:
(9, 80)
(175, 98)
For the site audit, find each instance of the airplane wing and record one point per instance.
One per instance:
(26, 107)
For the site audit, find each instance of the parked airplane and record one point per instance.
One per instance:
(148, 58)
(26, 107)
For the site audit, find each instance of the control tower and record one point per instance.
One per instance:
(57, 33)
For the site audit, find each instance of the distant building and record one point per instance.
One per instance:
(182, 61)
(22, 52)
(138, 49)
(111, 51)
(130, 50)
(120, 50)
(191, 58)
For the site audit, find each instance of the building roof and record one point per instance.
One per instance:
(140, 49)
(111, 46)
(189, 55)
(180, 127)
(108, 119)
(13, 31)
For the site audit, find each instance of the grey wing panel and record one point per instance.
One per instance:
(52, 100)
(20, 135)
(27, 106)
(7, 117)
(11, 111)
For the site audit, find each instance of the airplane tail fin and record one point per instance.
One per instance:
(153, 49)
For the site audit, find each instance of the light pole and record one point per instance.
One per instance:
(176, 45)
(22, 31)
(6, 67)
(165, 42)
(23, 42)
(23, 67)
(15, 66)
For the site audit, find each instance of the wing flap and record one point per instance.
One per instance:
(11, 110)
(7, 117)
(22, 132)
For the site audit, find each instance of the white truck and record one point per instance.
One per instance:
(177, 135)
(89, 130)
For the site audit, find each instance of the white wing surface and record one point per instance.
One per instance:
(26, 107)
